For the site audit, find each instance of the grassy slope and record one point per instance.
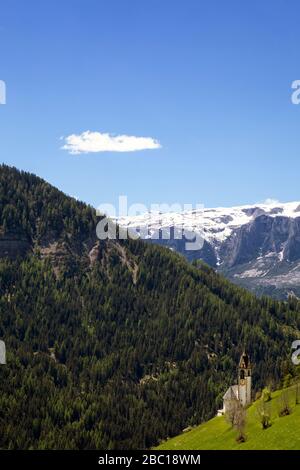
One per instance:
(216, 434)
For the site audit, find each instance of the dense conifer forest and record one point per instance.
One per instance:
(116, 344)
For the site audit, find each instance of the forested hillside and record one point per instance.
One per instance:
(115, 344)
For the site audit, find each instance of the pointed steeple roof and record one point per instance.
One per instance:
(245, 361)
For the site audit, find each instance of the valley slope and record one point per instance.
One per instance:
(217, 434)
(115, 344)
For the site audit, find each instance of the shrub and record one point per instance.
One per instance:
(263, 413)
(284, 408)
(266, 395)
(258, 395)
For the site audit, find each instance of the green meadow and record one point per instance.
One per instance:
(217, 434)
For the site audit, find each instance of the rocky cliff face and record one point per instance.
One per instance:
(261, 237)
(257, 247)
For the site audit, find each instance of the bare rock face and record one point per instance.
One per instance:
(264, 235)
(264, 256)
(255, 246)
(206, 253)
(94, 253)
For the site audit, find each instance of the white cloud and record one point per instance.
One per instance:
(271, 202)
(95, 142)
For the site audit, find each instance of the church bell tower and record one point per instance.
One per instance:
(244, 379)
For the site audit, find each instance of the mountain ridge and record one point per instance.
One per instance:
(116, 344)
(255, 246)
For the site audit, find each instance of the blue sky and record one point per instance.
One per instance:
(209, 80)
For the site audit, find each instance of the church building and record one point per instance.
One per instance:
(242, 391)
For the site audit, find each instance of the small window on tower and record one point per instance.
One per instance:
(249, 373)
(242, 374)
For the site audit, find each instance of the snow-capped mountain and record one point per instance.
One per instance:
(257, 246)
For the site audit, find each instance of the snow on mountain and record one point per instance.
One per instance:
(257, 246)
(216, 225)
